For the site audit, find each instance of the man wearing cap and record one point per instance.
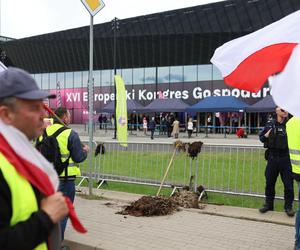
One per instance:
(30, 208)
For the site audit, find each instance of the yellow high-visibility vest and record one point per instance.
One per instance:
(23, 198)
(62, 139)
(293, 135)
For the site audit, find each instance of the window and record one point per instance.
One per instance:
(85, 78)
(38, 79)
(127, 76)
(61, 80)
(138, 76)
(45, 81)
(176, 74)
(216, 73)
(53, 79)
(150, 76)
(106, 77)
(204, 72)
(77, 79)
(190, 73)
(69, 80)
(163, 74)
(97, 78)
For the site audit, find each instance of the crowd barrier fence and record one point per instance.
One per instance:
(226, 169)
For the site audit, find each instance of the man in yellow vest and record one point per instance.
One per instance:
(72, 150)
(293, 134)
(29, 211)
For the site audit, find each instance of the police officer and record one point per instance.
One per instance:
(278, 162)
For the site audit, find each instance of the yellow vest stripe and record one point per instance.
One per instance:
(294, 151)
(293, 133)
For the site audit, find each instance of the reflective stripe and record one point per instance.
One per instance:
(72, 164)
(295, 162)
(65, 155)
(294, 151)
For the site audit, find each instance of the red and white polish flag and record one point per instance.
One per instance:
(32, 166)
(247, 62)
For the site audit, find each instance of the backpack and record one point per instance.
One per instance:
(49, 148)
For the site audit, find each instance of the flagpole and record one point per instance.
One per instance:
(115, 26)
(91, 106)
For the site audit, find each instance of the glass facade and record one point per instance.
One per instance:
(137, 76)
(142, 83)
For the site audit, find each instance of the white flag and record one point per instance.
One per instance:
(248, 61)
(285, 87)
(2, 66)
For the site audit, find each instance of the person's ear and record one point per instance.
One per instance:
(6, 115)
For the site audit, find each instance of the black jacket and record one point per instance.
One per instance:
(277, 140)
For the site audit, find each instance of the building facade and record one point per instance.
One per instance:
(163, 54)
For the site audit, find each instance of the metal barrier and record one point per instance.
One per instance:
(84, 167)
(227, 169)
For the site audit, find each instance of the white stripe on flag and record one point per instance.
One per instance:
(231, 54)
(2, 66)
(285, 87)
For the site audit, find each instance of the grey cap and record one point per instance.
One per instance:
(15, 82)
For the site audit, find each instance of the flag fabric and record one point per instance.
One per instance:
(2, 66)
(248, 61)
(285, 87)
(30, 164)
(121, 111)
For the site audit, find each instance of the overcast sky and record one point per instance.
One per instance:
(24, 18)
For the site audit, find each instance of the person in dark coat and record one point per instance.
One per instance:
(100, 120)
(278, 162)
(152, 125)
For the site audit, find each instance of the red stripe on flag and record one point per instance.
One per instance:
(36, 176)
(253, 72)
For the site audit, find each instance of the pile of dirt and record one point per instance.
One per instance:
(151, 206)
(159, 205)
(186, 199)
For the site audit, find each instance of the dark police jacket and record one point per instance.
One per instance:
(276, 143)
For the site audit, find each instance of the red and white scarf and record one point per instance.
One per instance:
(30, 164)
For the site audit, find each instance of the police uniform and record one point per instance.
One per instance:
(278, 162)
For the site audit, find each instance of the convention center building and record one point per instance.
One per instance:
(162, 54)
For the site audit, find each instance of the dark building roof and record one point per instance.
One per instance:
(178, 37)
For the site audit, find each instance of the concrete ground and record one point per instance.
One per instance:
(213, 227)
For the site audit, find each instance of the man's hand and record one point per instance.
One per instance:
(55, 206)
(267, 134)
(86, 148)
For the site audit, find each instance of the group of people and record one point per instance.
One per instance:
(33, 208)
(35, 201)
(102, 119)
(281, 138)
(167, 126)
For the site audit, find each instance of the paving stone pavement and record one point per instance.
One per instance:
(187, 229)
